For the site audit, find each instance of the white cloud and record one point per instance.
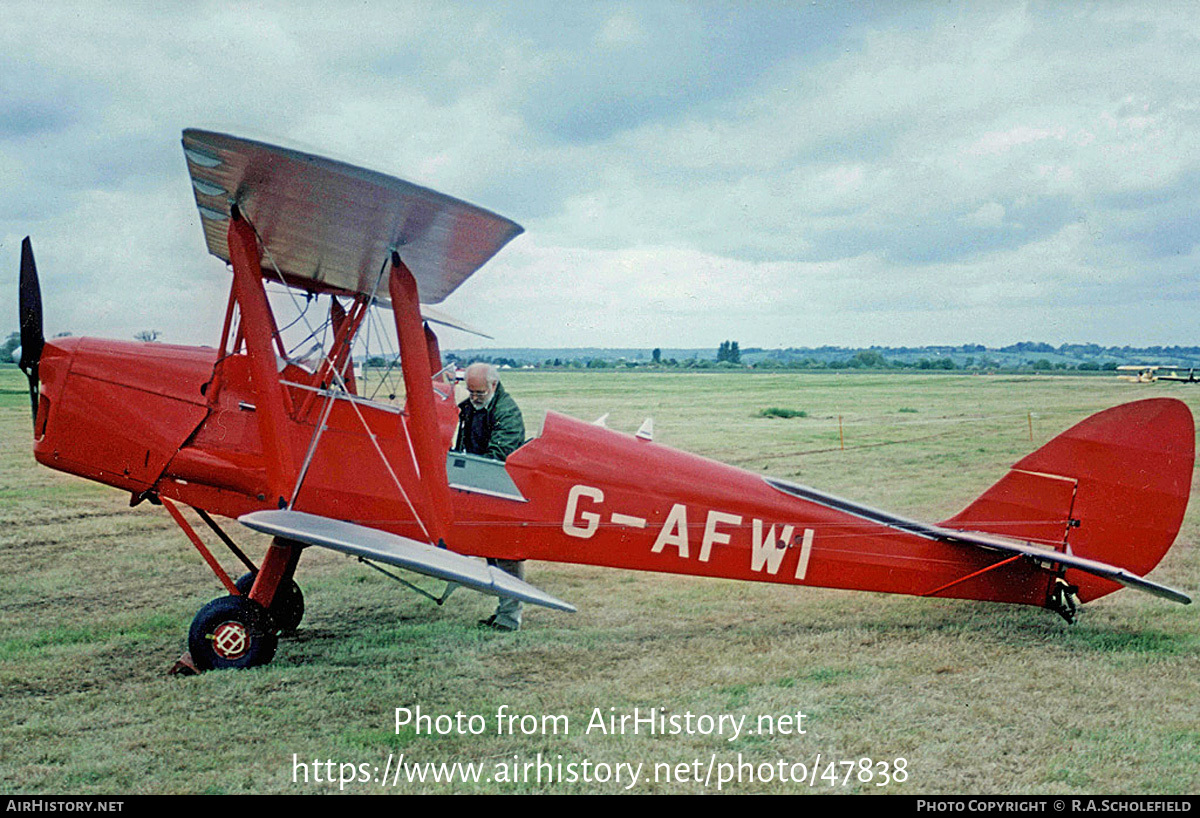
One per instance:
(622, 30)
(989, 215)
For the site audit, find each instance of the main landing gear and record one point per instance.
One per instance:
(237, 632)
(287, 608)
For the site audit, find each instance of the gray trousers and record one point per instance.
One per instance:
(508, 611)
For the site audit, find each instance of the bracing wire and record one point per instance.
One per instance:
(342, 384)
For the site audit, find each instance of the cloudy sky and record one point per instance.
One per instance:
(780, 173)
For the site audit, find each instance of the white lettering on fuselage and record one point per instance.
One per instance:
(712, 536)
(583, 513)
(766, 549)
(674, 531)
(590, 519)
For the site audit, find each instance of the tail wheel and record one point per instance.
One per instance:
(232, 632)
(287, 608)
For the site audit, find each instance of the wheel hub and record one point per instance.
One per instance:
(230, 640)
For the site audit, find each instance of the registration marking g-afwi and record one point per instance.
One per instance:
(584, 514)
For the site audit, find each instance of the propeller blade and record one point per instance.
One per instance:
(32, 337)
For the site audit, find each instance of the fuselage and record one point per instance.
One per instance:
(176, 422)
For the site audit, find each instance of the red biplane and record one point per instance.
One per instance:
(291, 448)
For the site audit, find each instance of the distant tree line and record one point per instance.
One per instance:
(1024, 356)
(9, 346)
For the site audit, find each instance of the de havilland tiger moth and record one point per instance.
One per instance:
(291, 448)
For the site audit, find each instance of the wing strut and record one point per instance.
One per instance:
(425, 440)
(257, 325)
(451, 586)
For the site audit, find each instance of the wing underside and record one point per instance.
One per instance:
(402, 552)
(329, 226)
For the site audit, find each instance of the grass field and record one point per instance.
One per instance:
(96, 598)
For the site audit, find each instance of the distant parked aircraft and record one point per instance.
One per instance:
(1149, 374)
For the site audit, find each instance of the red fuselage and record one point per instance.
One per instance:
(143, 418)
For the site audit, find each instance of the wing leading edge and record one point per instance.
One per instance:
(392, 549)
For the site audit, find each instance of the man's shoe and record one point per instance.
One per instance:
(491, 622)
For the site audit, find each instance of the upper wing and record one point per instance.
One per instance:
(330, 227)
(436, 316)
(371, 543)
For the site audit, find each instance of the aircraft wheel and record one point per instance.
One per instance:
(231, 632)
(287, 608)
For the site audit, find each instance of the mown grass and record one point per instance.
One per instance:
(95, 600)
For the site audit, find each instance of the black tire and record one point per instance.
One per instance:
(287, 608)
(232, 632)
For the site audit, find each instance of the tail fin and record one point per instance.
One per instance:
(1113, 488)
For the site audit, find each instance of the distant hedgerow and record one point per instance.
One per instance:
(777, 412)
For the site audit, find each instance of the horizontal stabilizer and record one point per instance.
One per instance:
(983, 540)
(1100, 569)
(402, 552)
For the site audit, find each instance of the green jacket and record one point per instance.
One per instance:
(503, 426)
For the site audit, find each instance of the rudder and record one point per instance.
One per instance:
(1112, 488)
